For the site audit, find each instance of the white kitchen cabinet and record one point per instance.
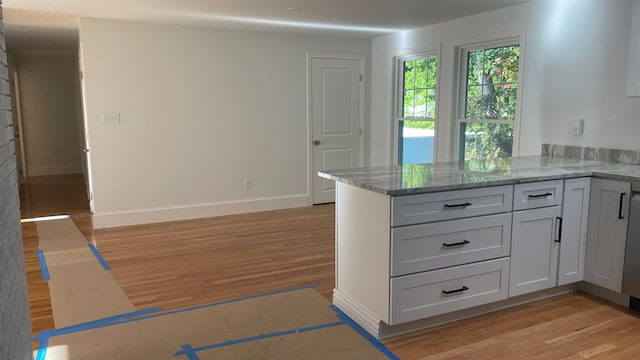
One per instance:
(449, 243)
(424, 208)
(575, 212)
(534, 250)
(607, 232)
(406, 258)
(431, 293)
(537, 195)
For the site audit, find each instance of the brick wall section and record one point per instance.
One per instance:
(15, 325)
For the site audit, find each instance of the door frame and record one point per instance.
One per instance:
(86, 144)
(18, 112)
(310, 57)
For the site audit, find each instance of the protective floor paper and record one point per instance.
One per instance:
(80, 287)
(95, 320)
(296, 324)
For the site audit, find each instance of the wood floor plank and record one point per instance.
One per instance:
(187, 263)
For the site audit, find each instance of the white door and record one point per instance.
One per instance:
(85, 138)
(335, 93)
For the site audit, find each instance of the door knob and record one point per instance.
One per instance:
(316, 142)
(85, 150)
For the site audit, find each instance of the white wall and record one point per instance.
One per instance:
(575, 66)
(48, 93)
(201, 109)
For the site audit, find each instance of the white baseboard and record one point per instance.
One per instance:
(357, 313)
(381, 330)
(612, 296)
(103, 220)
(54, 170)
(387, 331)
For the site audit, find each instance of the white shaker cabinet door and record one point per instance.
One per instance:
(534, 250)
(575, 212)
(607, 234)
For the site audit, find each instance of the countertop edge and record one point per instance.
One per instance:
(611, 171)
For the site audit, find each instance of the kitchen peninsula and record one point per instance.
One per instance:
(419, 245)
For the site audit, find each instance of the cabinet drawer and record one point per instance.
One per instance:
(436, 292)
(536, 195)
(431, 246)
(423, 208)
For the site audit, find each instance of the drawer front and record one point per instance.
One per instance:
(424, 208)
(536, 195)
(431, 246)
(437, 292)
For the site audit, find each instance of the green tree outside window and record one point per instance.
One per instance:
(491, 90)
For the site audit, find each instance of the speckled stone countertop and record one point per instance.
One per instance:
(425, 178)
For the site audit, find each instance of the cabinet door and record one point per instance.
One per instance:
(534, 250)
(575, 212)
(607, 234)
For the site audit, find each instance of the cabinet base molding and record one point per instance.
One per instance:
(356, 312)
(609, 295)
(381, 330)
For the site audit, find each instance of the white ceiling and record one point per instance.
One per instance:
(48, 26)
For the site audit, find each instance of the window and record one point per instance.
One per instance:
(416, 108)
(489, 101)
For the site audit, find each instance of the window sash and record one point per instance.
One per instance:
(463, 57)
(399, 99)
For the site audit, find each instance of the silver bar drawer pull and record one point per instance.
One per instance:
(448, 292)
(464, 242)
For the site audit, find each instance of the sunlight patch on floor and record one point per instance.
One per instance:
(44, 218)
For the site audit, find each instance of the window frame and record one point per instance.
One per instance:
(461, 98)
(398, 106)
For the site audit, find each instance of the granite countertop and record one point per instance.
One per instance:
(424, 178)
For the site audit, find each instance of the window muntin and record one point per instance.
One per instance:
(417, 89)
(490, 101)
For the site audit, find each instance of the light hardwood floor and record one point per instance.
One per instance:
(180, 264)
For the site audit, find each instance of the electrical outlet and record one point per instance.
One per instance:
(248, 184)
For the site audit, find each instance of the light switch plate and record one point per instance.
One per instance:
(110, 118)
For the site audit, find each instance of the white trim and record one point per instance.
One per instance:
(55, 170)
(110, 219)
(367, 320)
(363, 70)
(609, 295)
(386, 331)
(18, 110)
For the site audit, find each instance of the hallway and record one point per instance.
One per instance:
(53, 195)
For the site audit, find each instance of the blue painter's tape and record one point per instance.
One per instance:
(375, 342)
(263, 336)
(189, 352)
(99, 257)
(43, 266)
(140, 315)
(43, 337)
(43, 345)
(216, 304)
(95, 324)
